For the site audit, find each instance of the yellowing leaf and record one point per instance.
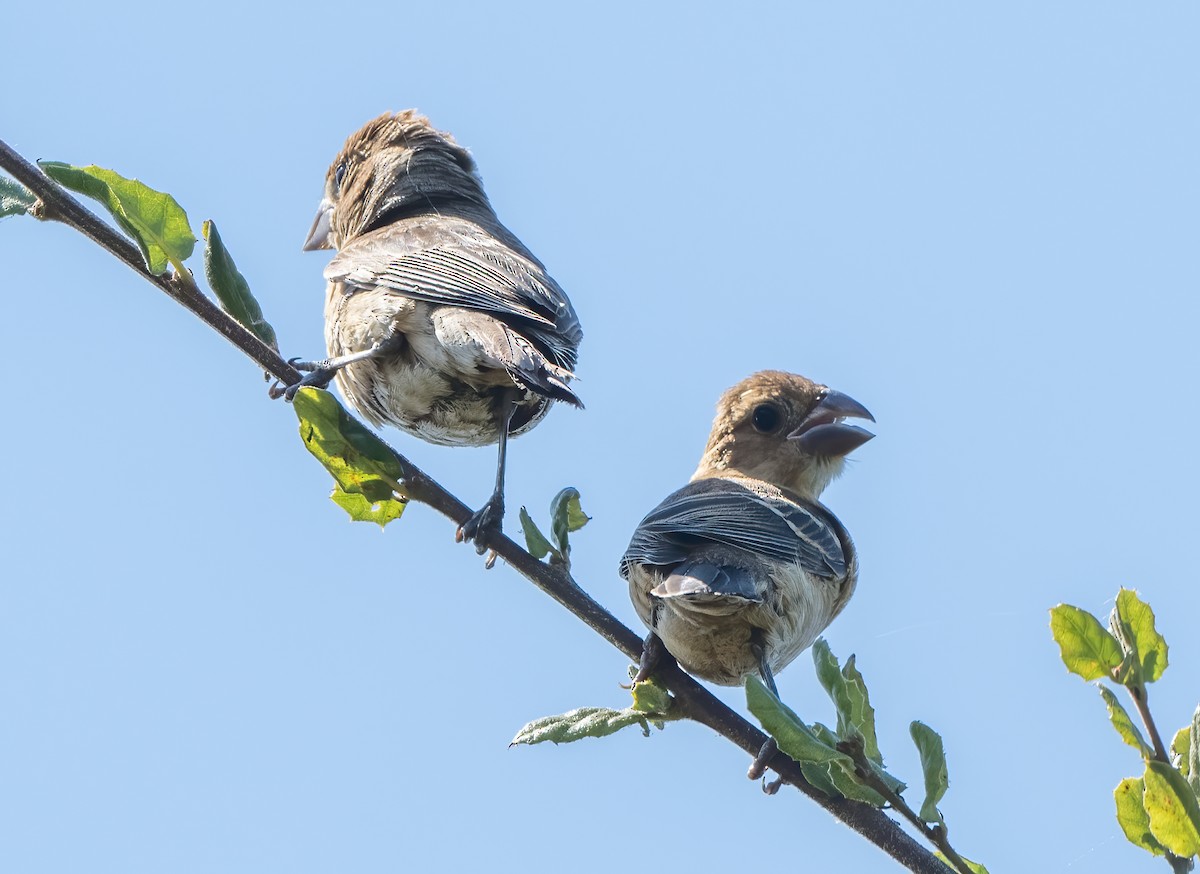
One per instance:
(1172, 808)
(1087, 649)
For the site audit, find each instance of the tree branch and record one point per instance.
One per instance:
(1140, 696)
(55, 204)
(935, 834)
(698, 703)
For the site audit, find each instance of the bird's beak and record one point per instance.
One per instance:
(318, 236)
(824, 433)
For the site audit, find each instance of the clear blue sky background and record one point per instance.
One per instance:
(980, 222)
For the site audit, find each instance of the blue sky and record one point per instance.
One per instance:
(980, 222)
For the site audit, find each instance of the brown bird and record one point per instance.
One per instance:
(437, 319)
(740, 570)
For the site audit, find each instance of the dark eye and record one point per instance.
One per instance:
(338, 174)
(766, 418)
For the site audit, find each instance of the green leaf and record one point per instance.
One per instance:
(817, 774)
(839, 778)
(1132, 816)
(1173, 809)
(793, 736)
(650, 696)
(1125, 726)
(15, 199)
(848, 690)
(362, 509)
(1135, 620)
(231, 287)
(361, 464)
(1186, 747)
(580, 723)
(566, 516)
(1087, 648)
(933, 766)
(1181, 745)
(1193, 756)
(535, 540)
(974, 866)
(155, 220)
(847, 784)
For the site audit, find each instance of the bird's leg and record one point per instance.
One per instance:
(486, 522)
(321, 372)
(759, 766)
(652, 653)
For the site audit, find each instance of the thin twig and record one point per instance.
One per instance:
(1141, 701)
(935, 834)
(55, 204)
(698, 703)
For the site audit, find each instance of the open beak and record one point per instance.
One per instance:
(318, 236)
(823, 431)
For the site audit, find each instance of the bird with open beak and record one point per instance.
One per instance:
(740, 570)
(438, 320)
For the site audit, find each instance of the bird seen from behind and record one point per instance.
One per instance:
(438, 320)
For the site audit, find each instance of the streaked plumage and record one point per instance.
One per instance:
(438, 320)
(740, 570)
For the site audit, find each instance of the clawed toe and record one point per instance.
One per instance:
(318, 378)
(763, 760)
(484, 525)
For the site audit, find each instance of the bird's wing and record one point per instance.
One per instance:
(744, 514)
(456, 262)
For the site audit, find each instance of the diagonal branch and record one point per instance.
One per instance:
(55, 204)
(698, 703)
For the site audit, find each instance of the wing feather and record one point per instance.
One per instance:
(458, 263)
(744, 514)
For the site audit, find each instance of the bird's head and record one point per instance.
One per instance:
(394, 166)
(784, 429)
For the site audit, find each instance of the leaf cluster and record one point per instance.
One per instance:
(1159, 811)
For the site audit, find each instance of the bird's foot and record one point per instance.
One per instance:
(758, 768)
(320, 374)
(484, 525)
(652, 653)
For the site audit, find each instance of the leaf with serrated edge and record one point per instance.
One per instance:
(1193, 757)
(649, 696)
(15, 199)
(933, 766)
(535, 540)
(1151, 648)
(1132, 816)
(566, 516)
(1086, 647)
(848, 691)
(842, 775)
(360, 463)
(578, 724)
(862, 713)
(790, 733)
(1124, 725)
(155, 220)
(1173, 809)
(231, 287)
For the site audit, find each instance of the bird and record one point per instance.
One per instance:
(740, 570)
(438, 320)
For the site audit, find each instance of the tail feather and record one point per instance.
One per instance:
(701, 579)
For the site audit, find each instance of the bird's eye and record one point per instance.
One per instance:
(338, 175)
(766, 418)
